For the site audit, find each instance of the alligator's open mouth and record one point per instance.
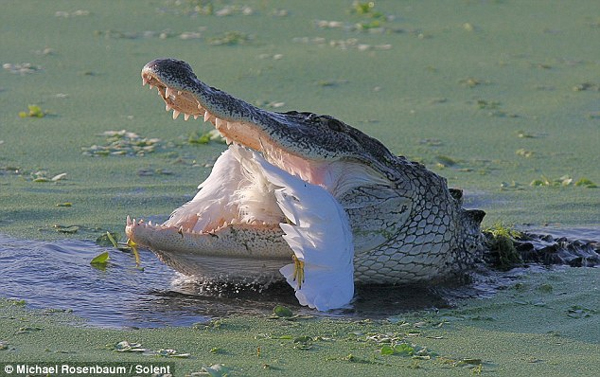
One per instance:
(261, 204)
(232, 118)
(247, 196)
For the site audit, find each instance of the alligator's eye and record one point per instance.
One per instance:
(332, 123)
(311, 117)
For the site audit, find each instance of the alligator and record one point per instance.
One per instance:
(306, 198)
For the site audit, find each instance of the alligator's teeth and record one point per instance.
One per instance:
(219, 123)
(196, 116)
(206, 116)
(150, 223)
(179, 92)
(186, 116)
(169, 92)
(228, 140)
(168, 107)
(175, 114)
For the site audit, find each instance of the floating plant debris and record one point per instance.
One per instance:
(471, 82)
(207, 137)
(578, 311)
(230, 38)
(172, 353)
(125, 346)
(21, 69)
(123, 143)
(586, 86)
(524, 152)
(216, 370)
(342, 44)
(67, 229)
(108, 239)
(42, 176)
(75, 13)
(149, 34)
(34, 111)
(100, 260)
(282, 311)
(565, 180)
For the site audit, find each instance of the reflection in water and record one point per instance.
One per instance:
(59, 275)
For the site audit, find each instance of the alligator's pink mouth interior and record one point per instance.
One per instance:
(239, 132)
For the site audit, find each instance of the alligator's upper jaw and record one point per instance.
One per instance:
(185, 94)
(302, 143)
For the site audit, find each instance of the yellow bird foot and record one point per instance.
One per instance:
(134, 249)
(298, 271)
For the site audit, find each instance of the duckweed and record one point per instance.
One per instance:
(123, 143)
(282, 311)
(524, 153)
(578, 311)
(34, 111)
(584, 182)
(230, 38)
(21, 68)
(67, 229)
(562, 181)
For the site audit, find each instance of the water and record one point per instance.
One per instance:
(58, 275)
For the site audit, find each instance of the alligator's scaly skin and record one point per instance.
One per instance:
(407, 225)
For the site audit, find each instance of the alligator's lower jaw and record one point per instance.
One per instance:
(235, 253)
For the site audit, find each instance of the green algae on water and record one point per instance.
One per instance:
(34, 111)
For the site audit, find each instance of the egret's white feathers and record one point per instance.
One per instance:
(320, 236)
(244, 187)
(235, 190)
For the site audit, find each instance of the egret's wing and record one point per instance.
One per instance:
(319, 234)
(212, 202)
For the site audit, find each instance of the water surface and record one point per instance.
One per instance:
(58, 275)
